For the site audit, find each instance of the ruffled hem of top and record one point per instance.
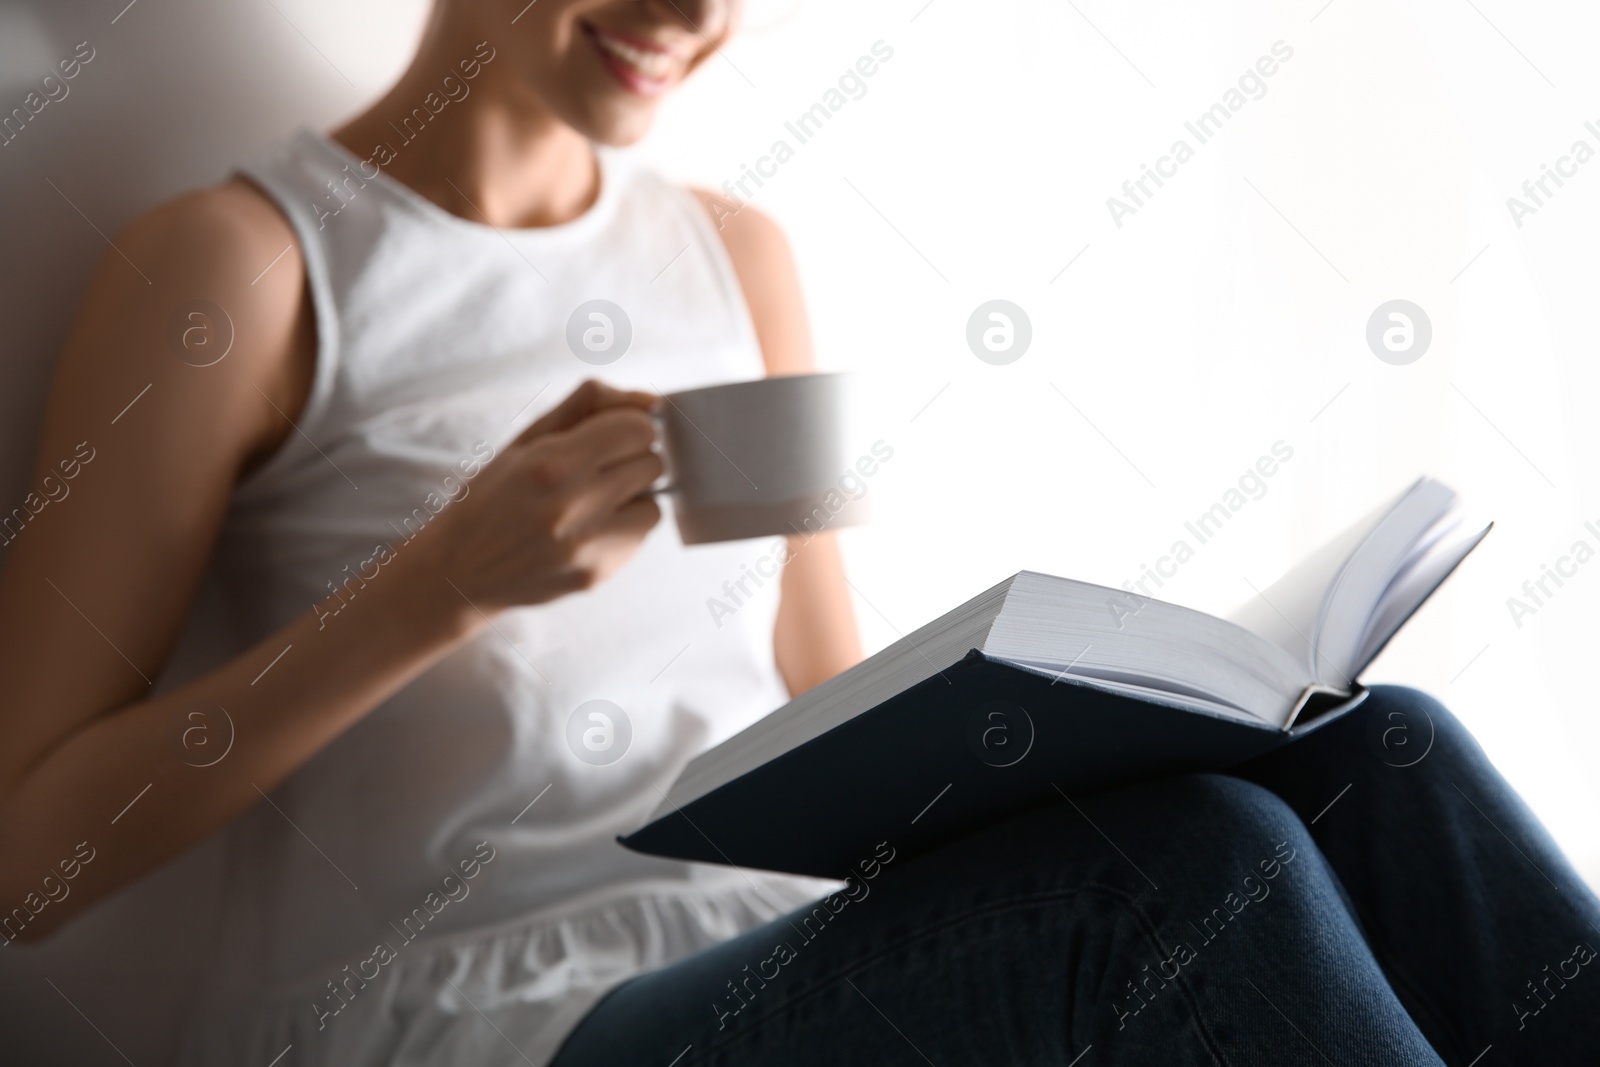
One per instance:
(504, 994)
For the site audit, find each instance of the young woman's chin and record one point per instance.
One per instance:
(617, 133)
(607, 99)
(607, 118)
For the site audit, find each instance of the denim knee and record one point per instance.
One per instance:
(1221, 809)
(1403, 698)
(1196, 822)
(1129, 837)
(1415, 713)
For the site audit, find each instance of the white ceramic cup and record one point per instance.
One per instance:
(763, 457)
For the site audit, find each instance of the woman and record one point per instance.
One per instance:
(314, 399)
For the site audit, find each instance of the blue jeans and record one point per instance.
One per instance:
(1372, 894)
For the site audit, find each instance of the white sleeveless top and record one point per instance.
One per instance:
(444, 878)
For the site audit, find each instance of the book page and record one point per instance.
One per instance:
(1358, 589)
(1287, 611)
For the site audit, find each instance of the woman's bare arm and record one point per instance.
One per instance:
(816, 635)
(99, 582)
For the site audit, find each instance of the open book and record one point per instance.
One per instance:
(1103, 685)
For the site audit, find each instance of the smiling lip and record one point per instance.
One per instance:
(642, 67)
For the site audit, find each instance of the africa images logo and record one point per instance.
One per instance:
(599, 332)
(999, 332)
(1000, 733)
(1399, 332)
(599, 732)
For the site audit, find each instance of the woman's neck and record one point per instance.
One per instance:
(490, 153)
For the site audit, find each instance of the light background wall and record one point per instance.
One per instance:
(1227, 314)
(1168, 353)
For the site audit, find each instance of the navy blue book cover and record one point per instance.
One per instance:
(981, 740)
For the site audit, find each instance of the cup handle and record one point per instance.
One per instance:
(665, 484)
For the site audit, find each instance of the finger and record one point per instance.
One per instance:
(602, 441)
(628, 523)
(609, 542)
(587, 399)
(614, 490)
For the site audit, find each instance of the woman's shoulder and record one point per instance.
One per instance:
(754, 240)
(765, 267)
(226, 257)
(737, 220)
(222, 225)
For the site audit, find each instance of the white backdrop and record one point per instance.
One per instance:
(1226, 314)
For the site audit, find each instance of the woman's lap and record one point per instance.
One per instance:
(1461, 893)
(1197, 920)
